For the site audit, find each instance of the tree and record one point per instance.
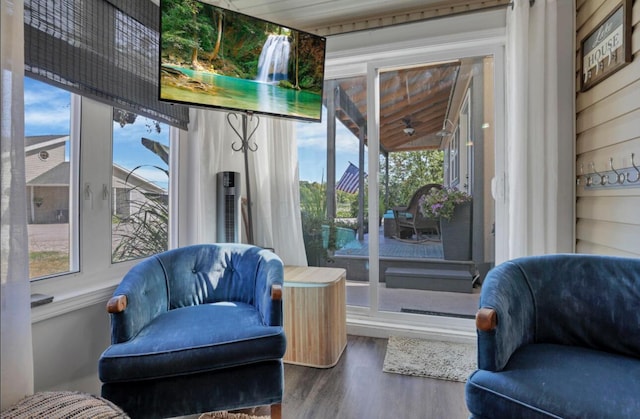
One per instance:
(410, 170)
(216, 49)
(186, 30)
(296, 43)
(312, 200)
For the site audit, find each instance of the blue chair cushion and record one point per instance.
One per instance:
(194, 339)
(550, 380)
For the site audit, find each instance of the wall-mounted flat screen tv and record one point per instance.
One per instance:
(219, 58)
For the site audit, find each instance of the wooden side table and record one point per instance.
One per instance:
(315, 315)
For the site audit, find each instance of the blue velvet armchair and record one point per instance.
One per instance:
(558, 336)
(197, 329)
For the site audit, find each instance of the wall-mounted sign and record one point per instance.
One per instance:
(607, 48)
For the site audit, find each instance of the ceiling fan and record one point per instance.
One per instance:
(408, 129)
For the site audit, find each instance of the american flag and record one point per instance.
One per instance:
(349, 181)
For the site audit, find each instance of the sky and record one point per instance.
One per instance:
(48, 112)
(312, 149)
(48, 109)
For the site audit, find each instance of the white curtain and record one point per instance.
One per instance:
(207, 152)
(17, 354)
(276, 197)
(273, 176)
(540, 80)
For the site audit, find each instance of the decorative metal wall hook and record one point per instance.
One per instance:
(622, 177)
(245, 137)
(587, 178)
(619, 176)
(633, 163)
(603, 179)
(581, 174)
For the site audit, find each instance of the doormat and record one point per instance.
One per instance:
(437, 313)
(430, 358)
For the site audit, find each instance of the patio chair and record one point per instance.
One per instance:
(409, 219)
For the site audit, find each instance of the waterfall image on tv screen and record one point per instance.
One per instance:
(215, 57)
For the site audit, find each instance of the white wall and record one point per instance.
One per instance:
(66, 349)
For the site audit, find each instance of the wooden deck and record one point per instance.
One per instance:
(424, 255)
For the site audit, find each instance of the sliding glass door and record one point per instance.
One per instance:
(427, 136)
(395, 129)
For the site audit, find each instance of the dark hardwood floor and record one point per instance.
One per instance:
(357, 388)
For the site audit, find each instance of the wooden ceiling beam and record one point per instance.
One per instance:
(349, 108)
(398, 112)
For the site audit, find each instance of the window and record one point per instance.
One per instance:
(467, 141)
(119, 175)
(139, 185)
(48, 165)
(454, 159)
(329, 175)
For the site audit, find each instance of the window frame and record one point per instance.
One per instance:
(454, 158)
(97, 277)
(134, 185)
(355, 55)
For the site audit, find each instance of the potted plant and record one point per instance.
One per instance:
(453, 208)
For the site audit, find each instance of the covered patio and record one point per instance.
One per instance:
(426, 254)
(421, 107)
(415, 106)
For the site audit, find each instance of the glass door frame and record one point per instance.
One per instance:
(370, 320)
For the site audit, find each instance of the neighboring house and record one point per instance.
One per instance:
(47, 176)
(128, 190)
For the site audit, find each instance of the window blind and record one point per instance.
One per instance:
(107, 50)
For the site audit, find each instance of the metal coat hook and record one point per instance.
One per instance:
(619, 176)
(587, 178)
(244, 137)
(603, 179)
(633, 163)
(581, 174)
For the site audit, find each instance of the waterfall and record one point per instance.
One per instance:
(273, 64)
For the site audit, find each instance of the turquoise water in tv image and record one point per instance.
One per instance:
(241, 94)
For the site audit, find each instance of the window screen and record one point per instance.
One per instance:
(105, 50)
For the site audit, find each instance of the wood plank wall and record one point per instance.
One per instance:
(607, 127)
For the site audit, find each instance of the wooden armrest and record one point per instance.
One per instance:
(276, 292)
(486, 319)
(117, 304)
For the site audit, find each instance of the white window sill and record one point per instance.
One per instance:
(66, 303)
(76, 291)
